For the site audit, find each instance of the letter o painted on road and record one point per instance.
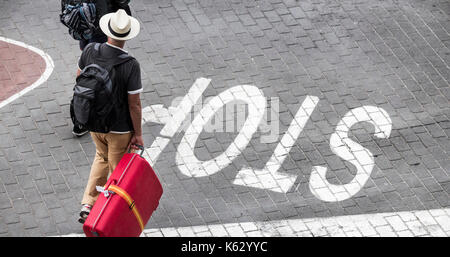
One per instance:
(186, 160)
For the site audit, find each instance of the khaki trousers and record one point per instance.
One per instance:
(110, 148)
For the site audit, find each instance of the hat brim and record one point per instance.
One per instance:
(134, 30)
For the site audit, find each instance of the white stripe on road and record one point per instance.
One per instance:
(49, 65)
(434, 222)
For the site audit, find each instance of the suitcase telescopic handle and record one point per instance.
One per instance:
(141, 147)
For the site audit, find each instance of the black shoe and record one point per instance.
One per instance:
(79, 131)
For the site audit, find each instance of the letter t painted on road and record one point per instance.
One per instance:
(174, 122)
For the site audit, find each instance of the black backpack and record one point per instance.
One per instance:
(96, 99)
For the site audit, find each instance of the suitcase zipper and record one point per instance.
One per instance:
(109, 198)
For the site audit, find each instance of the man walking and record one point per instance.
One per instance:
(126, 79)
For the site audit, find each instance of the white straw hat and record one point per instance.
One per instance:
(119, 25)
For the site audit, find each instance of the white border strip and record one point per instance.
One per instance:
(49, 66)
(435, 223)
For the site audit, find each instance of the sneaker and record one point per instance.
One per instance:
(79, 131)
(85, 210)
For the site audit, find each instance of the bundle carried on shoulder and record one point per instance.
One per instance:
(80, 18)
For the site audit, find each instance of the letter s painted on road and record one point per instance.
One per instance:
(352, 152)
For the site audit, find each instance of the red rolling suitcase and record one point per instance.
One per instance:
(127, 201)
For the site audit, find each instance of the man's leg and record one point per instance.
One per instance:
(109, 150)
(117, 147)
(99, 170)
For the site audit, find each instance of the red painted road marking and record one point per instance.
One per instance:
(22, 68)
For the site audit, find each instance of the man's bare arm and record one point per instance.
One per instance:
(135, 107)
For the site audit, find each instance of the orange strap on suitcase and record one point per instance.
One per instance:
(122, 193)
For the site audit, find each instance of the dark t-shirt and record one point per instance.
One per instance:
(127, 77)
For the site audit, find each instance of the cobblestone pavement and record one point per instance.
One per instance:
(362, 146)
